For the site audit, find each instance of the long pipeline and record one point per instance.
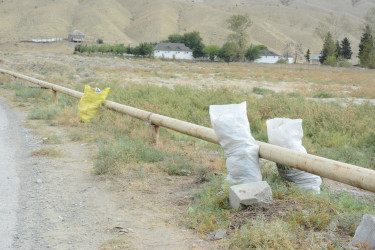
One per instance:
(342, 172)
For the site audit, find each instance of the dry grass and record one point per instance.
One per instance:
(47, 152)
(117, 244)
(366, 90)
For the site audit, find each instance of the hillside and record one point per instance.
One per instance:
(134, 21)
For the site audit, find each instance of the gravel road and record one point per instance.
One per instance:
(9, 181)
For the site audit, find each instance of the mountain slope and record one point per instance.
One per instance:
(134, 21)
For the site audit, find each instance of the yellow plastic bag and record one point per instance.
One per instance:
(90, 102)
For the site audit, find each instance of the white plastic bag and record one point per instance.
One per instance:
(232, 129)
(288, 133)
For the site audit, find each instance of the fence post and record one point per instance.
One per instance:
(54, 96)
(154, 134)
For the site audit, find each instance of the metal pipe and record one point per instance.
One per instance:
(342, 172)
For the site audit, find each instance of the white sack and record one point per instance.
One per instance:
(288, 133)
(232, 129)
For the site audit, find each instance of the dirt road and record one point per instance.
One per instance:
(9, 181)
(58, 203)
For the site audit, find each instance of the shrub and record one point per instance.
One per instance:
(211, 208)
(262, 91)
(323, 94)
(282, 61)
(331, 61)
(262, 234)
(47, 113)
(99, 41)
(345, 63)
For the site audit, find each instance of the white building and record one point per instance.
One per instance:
(315, 59)
(173, 51)
(267, 57)
(272, 57)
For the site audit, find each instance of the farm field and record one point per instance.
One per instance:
(337, 106)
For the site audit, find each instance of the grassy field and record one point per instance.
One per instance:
(296, 219)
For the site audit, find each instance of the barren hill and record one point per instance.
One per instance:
(134, 21)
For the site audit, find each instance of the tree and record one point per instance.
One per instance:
(228, 52)
(346, 50)
(146, 49)
(253, 52)
(329, 48)
(193, 40)
(239, 24)
(211, 51)
(293, 49)
(298, 51)
(333, 24)
(366, 46)
(307, 56)
(338, 53)
(175, 38)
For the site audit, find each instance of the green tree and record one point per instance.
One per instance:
(253, 52)
(346, 50)
(239, 24)
(175, 38)
(194, 41)
(211, 51)
(146, 49)
(366, 46)
(307, 56)
(338, 50)
(228, 52)
(329, 48)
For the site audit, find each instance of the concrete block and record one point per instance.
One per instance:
(364, 236)
(256, 194)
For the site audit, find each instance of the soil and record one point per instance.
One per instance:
(59, 203)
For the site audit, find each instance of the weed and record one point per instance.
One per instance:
(117, 243)
(27, 92)
(262, 91)
(44, 113)
(176, 164)
(275, 234)
(53, 139)
(76, 136)
(323, 94)
(295, 95)
(211, 209)
(47, 152)
(203, 175)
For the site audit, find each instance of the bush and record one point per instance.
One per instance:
(262, 91)
(345, 63)
(281, 61)
(99, 41)
(323, 94)
(331, 61)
